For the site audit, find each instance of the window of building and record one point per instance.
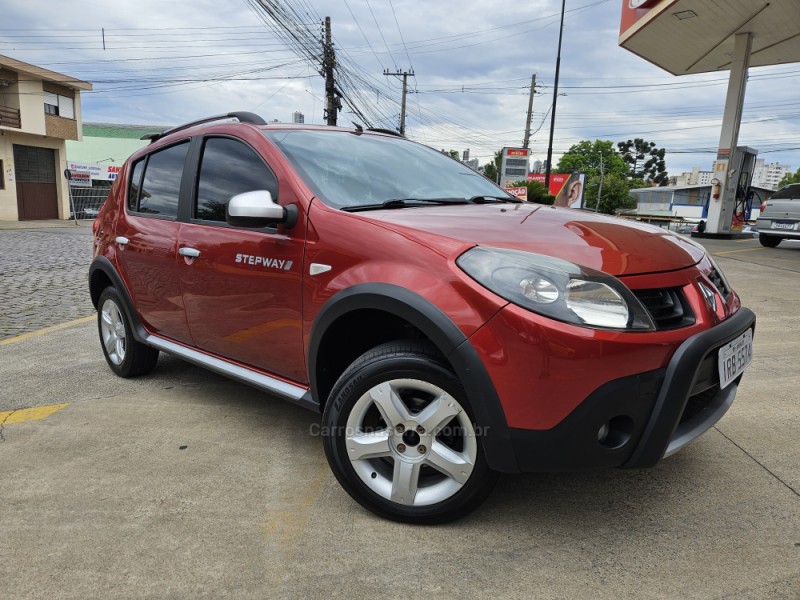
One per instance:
(58, 105)
(228, 168)
(2, 176)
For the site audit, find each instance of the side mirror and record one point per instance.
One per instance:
(258, 209)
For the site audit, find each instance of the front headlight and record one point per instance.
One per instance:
(556, 288)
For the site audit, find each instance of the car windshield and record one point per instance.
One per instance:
(348, 170)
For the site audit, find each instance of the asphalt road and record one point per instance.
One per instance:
(182, 484)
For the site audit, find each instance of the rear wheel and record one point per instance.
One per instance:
(125, 356)
(769, 241)
(400, 438)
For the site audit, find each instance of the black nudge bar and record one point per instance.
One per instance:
(663, 435)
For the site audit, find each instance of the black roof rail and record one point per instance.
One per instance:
(386, 131)
(242, 116)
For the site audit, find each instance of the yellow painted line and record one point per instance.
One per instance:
(732, 251)
(29, 414)
(46, 330)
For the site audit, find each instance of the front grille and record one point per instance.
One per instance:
(719, 282)
(695, 404)
(667, 307)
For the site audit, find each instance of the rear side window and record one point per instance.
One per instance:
(789, 192)
(136, 184)
(162, 181)
(228, 168)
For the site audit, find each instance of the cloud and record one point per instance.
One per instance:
(170, 62)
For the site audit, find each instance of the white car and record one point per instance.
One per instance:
(780, 217)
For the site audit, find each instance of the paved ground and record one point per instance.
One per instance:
(182, 484)
(44, 276)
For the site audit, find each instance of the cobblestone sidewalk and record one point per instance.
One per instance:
(43, 277)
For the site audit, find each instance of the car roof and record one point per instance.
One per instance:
(252, 119)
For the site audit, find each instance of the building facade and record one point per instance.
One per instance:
(693, 177)
(768, 175)
(39, 111)
(688, 201)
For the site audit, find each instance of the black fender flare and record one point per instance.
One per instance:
(102, 264)
(448, 339)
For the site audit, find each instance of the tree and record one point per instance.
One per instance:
(452, 154)
(644, 160)
(789, 178)
(600, 161)
(615, 194)
(492, 169)
(589, 157)
(536, 192)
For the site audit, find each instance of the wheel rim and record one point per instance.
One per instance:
(112, 331)
(411, 442)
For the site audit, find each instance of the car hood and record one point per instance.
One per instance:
(609, 244)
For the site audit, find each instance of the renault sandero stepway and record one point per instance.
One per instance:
(445, 331)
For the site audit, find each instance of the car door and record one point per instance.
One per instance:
(242, 287)
(147, 240)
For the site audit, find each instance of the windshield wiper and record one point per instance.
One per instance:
(489, 199)
(404, 203)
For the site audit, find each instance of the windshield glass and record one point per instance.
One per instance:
(347, 170)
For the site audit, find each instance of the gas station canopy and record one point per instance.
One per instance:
(697, 36)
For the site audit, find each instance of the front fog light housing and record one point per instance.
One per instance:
(556, 288)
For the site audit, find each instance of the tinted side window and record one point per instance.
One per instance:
(136, 184)
(228, 168)
(162, 181)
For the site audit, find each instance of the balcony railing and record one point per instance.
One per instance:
(9, 117)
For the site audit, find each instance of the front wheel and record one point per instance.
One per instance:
(400, 438)
(768, 241)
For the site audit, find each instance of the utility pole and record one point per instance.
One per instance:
(555, 97)
(405, 75)
(530, 113)
(600, 187)
(328, 62)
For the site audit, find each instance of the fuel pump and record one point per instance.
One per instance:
(733, 198)
(741, 202)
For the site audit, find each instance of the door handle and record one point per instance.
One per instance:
(190, 252)
(121, 240)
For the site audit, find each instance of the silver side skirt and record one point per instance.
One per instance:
(294, 393)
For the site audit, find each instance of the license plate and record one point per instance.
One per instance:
(734, 358)
(779, 225)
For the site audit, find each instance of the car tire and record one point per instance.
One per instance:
(400, 436)
(768, 241)
(125, 356)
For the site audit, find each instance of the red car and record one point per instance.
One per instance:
(446, 331)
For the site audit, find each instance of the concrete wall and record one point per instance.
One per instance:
(101, 149)
(31, 107)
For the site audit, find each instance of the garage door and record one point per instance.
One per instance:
(35, 171)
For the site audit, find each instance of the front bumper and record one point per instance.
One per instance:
(646, 416)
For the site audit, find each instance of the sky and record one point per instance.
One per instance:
(169, 62)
